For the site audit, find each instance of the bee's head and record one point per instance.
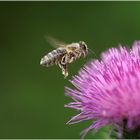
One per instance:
(84, 47)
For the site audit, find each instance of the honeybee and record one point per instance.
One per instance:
(64, 54)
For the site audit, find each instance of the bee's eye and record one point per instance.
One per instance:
(84, 47)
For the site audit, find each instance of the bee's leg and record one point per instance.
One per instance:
(64, 59)
(72, 57)
(64, 68)
(63, 64)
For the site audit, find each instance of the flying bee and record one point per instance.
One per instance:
(64, 54)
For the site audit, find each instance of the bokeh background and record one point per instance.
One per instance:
(31, 96)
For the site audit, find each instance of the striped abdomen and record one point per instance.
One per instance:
(53, 57)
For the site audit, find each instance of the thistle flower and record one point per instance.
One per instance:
(107, 91)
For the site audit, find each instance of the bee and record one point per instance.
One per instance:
(64, 54)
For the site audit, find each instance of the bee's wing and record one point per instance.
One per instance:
(55, 43)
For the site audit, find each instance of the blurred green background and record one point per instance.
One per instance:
(31, 96)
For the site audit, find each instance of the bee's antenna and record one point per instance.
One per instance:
(92, 52)
(89, 57)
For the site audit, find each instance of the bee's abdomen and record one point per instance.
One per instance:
(53, 57)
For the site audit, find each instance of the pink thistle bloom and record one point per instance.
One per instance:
(107, 91)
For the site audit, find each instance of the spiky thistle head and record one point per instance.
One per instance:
(107, 91)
